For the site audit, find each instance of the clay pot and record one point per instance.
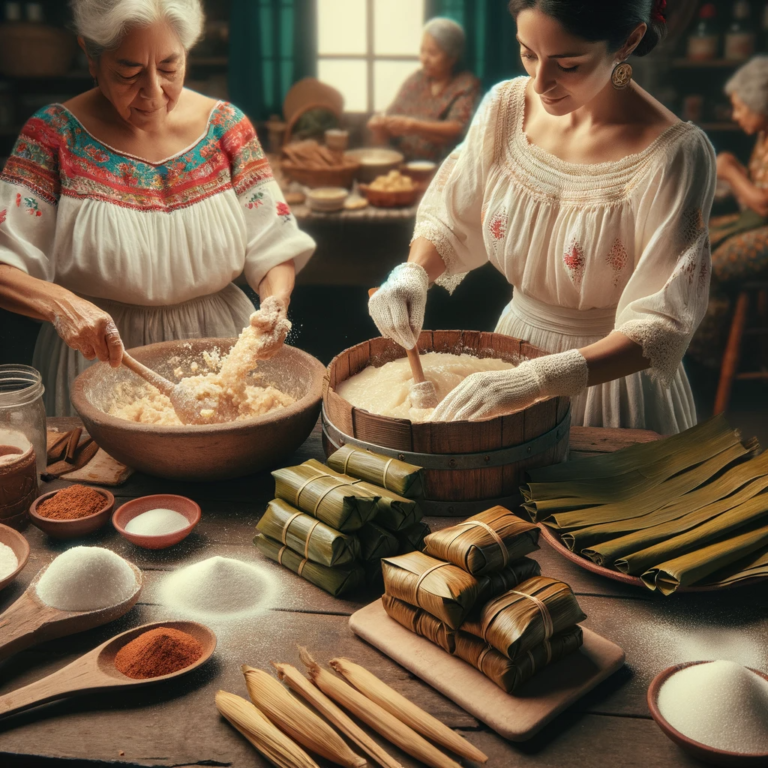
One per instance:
(18, 484)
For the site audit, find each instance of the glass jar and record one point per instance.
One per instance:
(22, 409)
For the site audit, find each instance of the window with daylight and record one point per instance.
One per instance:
(367, 48)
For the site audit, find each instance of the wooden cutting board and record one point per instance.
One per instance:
(515, 717)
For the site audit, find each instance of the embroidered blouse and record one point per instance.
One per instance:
(455, 103)
(630, 236)
(110, 225)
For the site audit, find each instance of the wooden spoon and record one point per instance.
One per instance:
(96, 671)
(30, 621)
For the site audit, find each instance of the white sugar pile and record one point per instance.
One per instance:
(157, 522)
(721, 704)
(8, 561)
(86, 579)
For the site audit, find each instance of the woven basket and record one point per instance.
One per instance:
(35, 50)
(332, 176)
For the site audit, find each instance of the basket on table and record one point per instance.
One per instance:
(342, 175)
(35, 50)
(381, 198)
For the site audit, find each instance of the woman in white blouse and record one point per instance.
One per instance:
(126, 213)
(593, 200)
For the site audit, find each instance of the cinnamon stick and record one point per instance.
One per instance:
(72, 444)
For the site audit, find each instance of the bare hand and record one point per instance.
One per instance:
(89, 330)
(400, 126)
(377, 121)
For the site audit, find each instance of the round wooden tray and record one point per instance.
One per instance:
(554, 541)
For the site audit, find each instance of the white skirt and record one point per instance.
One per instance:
(223, 314)
(637, 401)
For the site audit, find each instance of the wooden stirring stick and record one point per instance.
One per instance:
(150, 376)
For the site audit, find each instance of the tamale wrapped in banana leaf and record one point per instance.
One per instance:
(440, 588)
(753, 566)
(307, 536)
(394, 512)
(376, 543)
(510, 675)
(495, 584)
(337, 503)
(484, 543)
(392, 474)
(335, 581)
(420, 622)
(374, 578)
(412, 538)
(520, 619)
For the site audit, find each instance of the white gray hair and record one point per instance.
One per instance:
(449, 35)
(103, 23)
(750, 84)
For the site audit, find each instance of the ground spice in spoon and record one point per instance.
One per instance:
(158, 652)
(72, 503)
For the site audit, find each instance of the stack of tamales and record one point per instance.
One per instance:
(475, 594)
(691, 509)
(333, 528)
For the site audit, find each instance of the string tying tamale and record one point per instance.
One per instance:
(376, 543)
(510, 675)
(495, 584)
(308, 536)
(442, 589)
(484, 543)
(413, 537)
(394, 512)
(392, 474)
(335, 581)
(337, 503)
(520, 619)
(420, 622)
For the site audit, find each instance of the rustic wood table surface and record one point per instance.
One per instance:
(176, 724)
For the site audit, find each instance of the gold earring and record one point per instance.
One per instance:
(622, 75)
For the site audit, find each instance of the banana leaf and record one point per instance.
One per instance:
(412, 538)
(420, 622)
(376, 543)
(495, 584)
(398, 476)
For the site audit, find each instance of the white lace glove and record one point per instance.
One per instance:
(398, 306)
(483, 395)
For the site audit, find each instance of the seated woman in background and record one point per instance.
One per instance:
(740, 240)
(430, 114)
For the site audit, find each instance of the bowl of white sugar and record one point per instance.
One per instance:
(158, 521)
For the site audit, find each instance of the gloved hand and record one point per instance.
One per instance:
(483, 395)
(398, 306)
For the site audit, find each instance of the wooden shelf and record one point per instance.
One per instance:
(711, 64)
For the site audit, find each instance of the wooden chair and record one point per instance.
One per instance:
(729, 371)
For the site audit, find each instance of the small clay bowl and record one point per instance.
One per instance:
(72, 529)
(20, 547)
(136, 507)
(696, 748)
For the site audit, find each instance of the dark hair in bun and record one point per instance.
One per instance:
(609, 20)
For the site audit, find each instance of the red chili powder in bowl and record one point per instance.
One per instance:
(158, 652)
(72, 503)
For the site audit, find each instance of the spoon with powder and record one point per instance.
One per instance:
(82, 588)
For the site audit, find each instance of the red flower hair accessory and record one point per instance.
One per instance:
(658, 12)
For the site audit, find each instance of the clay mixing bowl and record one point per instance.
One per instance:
(72, 529)
(210, 451)
(136, 507)
(20, 547)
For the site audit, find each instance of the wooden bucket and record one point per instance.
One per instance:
(470, 465)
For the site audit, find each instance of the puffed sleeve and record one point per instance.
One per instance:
(273, 234)
(29, 195)
(667, 294)
(450, 214)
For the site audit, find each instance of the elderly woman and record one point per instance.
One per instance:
(435, 104)
(126, 212)
(740, 241)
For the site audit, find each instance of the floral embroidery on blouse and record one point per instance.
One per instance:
(575, 262)
(692, 225)
(55, 155)
(617, 259)
(284, 212)
(3, 215)
(30, 204)
(255, 200)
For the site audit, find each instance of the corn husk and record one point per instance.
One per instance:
(297, 721)
(442, 589)
(495, 584)
(333, 714)
(420, 622)
(267, 739)
(412, 538)
(510, 675)
(307, 536)
(392, 474)
(394, 512)
(335, 581)
(375, 542)
(519, 620)
(374, 716)
(405, 710)
(484, 543)
(338, 504)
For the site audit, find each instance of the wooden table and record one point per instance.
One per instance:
(177, 724)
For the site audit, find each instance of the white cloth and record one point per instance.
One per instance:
(588, 248)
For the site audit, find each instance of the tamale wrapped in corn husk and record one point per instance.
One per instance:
(420, 622)
(484, 543)
(335, 502)
(376, 543)
(495, 584)
(520, 619)
(392, 474)
(335, 581)
(412, 538)
(308, 536)
(394, 512)
(442, 589)
(510, 675)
